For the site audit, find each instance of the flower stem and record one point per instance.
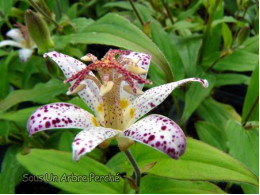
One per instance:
(136, 12)
(35, 6)
(165, 4)
(136, 168)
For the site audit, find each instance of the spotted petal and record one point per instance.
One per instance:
(88, 139)
(153, 97)
(144, 63)
(160, 133)
(71, 66)
(60, 115)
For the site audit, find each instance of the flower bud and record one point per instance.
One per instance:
(39, 31)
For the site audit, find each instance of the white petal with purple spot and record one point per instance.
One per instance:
(160, 133)
(88, 139)
(71, 66)
(154, 96)
(59, 115)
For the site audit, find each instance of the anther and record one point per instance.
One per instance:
(135, 69)
(79, 88)
(106, 87)
(129, 89)
(89, 58)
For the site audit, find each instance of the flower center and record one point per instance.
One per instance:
(113, 69)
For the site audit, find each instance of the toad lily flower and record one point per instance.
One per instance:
(21, 39)
(117, 100)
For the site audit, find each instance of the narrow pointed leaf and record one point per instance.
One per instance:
(40, 162)
(199, 162)
(159, 185)
(41, 93)
(251, 97)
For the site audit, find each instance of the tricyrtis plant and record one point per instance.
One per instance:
(117, 99)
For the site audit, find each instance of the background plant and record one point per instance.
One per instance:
(215, 39)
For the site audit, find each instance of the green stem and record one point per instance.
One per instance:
(44, 14)
(207, 31)
(251, 111)
(136, 168)
(136, 12)
(168, 11)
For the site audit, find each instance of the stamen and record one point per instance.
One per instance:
(109, 62)
(135, 69)
(128, 89)
(79, 88)
(89, 58)
(106, 87)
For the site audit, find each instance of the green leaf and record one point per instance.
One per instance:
(184, 25)
(31, 67)
(163, 41)
(238, 61)
(156, 76)
(200, 162)
(190, 11)
(231, 79)
(251, 44)
(4, 81)
(212, 33)
(251, 97)
(144, 11)
(5, 7)
(66, 140)
(4, 129)
(115, 30)
(195, 95)
(41, 93)
(211, 134)
(243, 144)
(11, 171)
(227, 36)
(250, 189)
(20, 117)
(80, 103)
(41, 162)
(158, 185)
(217, 113)
(226, 19)
(82, 23)
(188, 48)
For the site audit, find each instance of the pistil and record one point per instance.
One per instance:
(112, 70)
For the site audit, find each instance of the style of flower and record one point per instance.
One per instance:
(117, 100)
(21, 39)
